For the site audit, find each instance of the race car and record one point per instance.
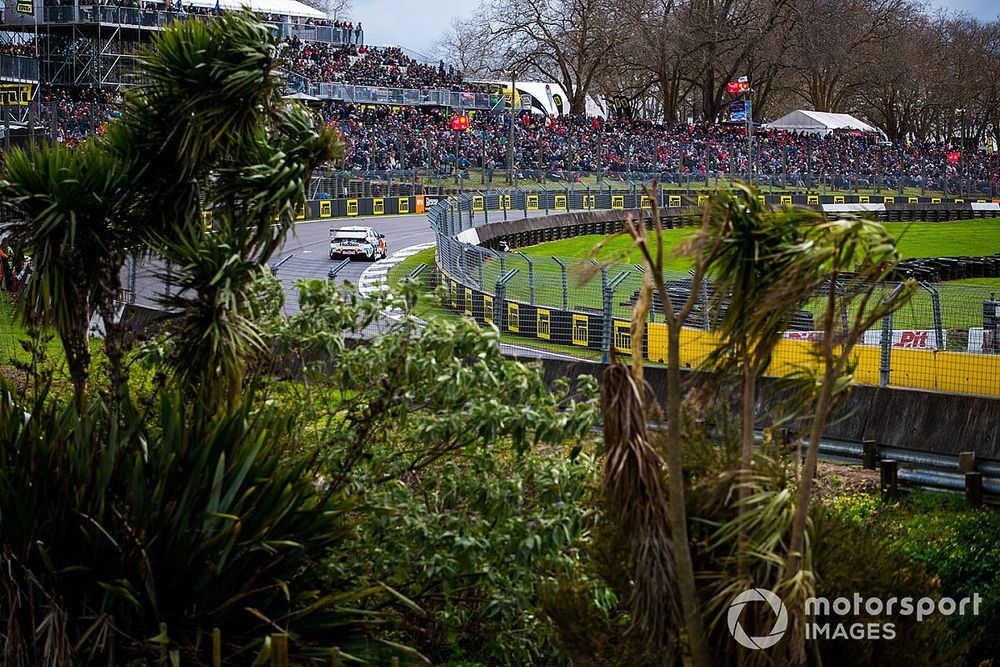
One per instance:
(360, 242)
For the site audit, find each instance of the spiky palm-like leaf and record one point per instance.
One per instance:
(69, 212)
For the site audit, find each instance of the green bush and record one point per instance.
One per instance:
(116, 522)
(469, 543)
(956, 547)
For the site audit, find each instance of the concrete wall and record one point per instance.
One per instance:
(893, 417)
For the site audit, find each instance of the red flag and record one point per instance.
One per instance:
(733, 87)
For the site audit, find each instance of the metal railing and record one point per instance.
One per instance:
(156, 18)
(946, 338)
(18, 68)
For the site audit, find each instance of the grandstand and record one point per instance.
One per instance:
(63, 68)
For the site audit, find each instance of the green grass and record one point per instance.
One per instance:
(947, 239)
(961, 301)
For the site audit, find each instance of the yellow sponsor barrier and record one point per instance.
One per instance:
(935, 200)
(959, 201)
(838, 199)
(702, 200)
(645, 202)
(453, 293)
(961, 372)
(618, 201)
(326, 208)
(888, 200)
(403, 205)
(913, 200)
(378, 206)
(623, 336)
(513, 316)
(478, 203)
(590, 201)
(560, 204)
(468, 302)
(581, 330)
(531, 202)
(863, 199)
(786, 200)
(673, 201)
(352, 207)
(812, 200)
(505, 202)
(487, 308)
(543, 323)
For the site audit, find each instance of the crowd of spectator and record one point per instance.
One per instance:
(361, 65)
(385, 138)
(24, 49)
(79, 112)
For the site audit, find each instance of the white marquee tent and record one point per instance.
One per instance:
(820, 122)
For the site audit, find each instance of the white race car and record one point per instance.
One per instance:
(360, 242)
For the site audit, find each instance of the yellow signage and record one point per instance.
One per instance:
(581, 330)
(513, 316)
(15, 94)
(623, 336)
(325, 208)
(543, 323)
(487, 308)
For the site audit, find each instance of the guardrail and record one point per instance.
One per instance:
(153, 18)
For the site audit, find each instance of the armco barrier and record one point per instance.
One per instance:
(519, 294)
(894, 418)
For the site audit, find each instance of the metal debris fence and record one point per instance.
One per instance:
(945, 338)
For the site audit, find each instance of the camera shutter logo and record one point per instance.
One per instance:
(757, 595)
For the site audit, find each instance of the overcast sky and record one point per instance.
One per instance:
(417, 24)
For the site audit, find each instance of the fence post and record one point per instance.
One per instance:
(974, 489)
(885, 361)
(938, 327)
(889, 477)
(531, 277)
(870, 454)
(607, 324)
(885, 364)
(565, 284)
(133, 269)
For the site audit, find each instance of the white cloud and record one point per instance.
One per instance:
(415, 24)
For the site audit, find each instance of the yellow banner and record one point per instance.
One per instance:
(15, 94)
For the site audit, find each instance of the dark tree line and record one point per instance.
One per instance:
(915, 74)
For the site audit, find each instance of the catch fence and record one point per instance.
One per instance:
(947, 337)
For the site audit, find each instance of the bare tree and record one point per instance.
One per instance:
(470, 46)
(564, 41)
(334, 9)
